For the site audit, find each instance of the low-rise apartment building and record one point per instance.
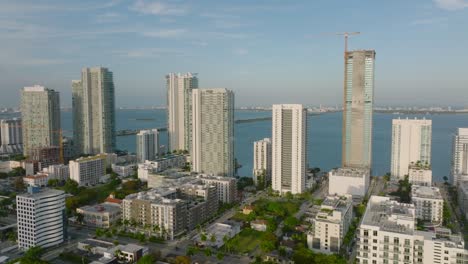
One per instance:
(428, 203)
(88, 170)
(387, 234)
(331, 223)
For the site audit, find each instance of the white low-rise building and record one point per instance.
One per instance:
(226, 187)
(387, 234)
(420, 175)
(259, 225)
(124, 169)
(463, 197)
(331, 223)
(129, 253)
(218, 231)
(428, 202)
(38, 180)
(353, 181)
(60, 172)
(159, 165)
(100, 215)
(89, 170)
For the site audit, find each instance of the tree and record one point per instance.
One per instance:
(203, 237)
(208, 252)
(147, 259)
(446, 180)
(79, 218)
(19, 184)
(71, 186)
(213, 238)
(182, 260)
(219, 256)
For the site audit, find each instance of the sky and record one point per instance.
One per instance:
(266, 51)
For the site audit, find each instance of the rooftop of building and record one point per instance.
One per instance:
(415, 120)
(350, 172)
(37, 192)
(36, 176)
(152, 194)
(333, 203)
(98, 243)
(389, 215)
(425, 192)
(214, 177)
(90, 158)
(101, 208)
(450, 241)
(419, 165)
(113, 200)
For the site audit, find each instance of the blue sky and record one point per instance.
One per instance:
(266, 51)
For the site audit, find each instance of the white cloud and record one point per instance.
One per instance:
(165, 33)
(200, 43)
(108, 17)
(451, 5)
(158, 8)
(428, 21)
(148, 53)
(24, 7)
(241, 51)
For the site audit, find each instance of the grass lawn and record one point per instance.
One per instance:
(246, 241)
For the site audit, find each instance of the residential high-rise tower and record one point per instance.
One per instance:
(358, 107)
(459, 170)
(179, 107)
(411, 144)
(262, 161)
(94, 112)
(147, 145)
(40, 115)
(289, 148)
(213, 131)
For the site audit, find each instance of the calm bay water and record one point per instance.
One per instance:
(324, 137)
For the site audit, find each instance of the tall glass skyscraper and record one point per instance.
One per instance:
(358, 108)
(94, 112)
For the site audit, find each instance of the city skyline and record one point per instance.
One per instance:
(167, 40)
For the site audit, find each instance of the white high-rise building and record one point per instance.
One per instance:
(331, 223)
(94, 111)
(179, 107)
(88, 170)
(40, 117)
(460, 156)
(289, 148)
(213, 131)
(11, 132)
(11, 136)
(411, 142)
(387, 234)
(262, 160)
(41, 218)
(147, 145)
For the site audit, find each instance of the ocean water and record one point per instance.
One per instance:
(324, 137)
